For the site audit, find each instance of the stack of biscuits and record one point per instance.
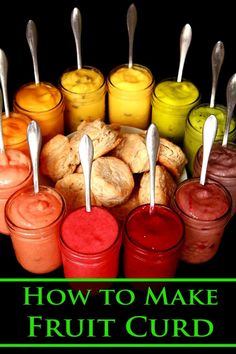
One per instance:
(120, 169)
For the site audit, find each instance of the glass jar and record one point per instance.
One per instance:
(43, 103)
(194, 127)
(205, 213)
(221, 167)
(129, 95)
(152, 242)
(34, 222)
(90, 245)
(84, 91)
(171, 103)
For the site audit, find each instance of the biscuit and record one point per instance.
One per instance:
(103, 137)
(132, 150)
(165, 186)
(111, 181)
(57, 158)
(73, 189)
(172, 157)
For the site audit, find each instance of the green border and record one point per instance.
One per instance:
(119, 345)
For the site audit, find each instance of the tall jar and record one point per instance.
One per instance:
(43, 103)
(171, 103)
(194, 127)
(34, 222)
(84, 91)
(129, 95)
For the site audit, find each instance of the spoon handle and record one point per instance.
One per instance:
(76, 24)
(2, 148)
(152, 145)
(31, 35)
(231, 100)
(3, 78)
(185, 40)
(131, 25)
(34, 141)
(217, 58)
(86, 158)
(209, 133)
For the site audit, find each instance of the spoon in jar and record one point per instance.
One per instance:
(2, 147)
(32, 38)
(76, 24)
(34, 141)
(185, 40)
(131, 25)
(231, 101)
(152, 145)
(209, 133)
(86, 159)
(3, 78)
(217, 58)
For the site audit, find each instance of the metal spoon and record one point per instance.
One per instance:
(76, 24)
(31, 35)
(152, 145)
(217, 58)
(185, 40)
(34, 141)
(231, 101)
(86, 159)
(131, 25)
(2, 147)
(3, 78)
(209, 133)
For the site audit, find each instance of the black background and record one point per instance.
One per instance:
(105, 45)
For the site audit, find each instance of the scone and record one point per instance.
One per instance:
(73, 189)
(57, 159)
(111, 181)
(103, 137)
(172, 157)
(165, 186)
(121, 211)
(132, 150)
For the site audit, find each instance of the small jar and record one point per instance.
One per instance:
(205, 211)
(129, 95)
(34, 222)
(84, 91)
(90, 244)
(194, 127)
(15, 173)
(221, 167)
(171, 103)
(152, 242)
(43, 103)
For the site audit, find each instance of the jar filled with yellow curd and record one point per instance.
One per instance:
(194, 127)
(43, 103)
(171, 103)
(15, 131)
(84, 91)
(129, 95)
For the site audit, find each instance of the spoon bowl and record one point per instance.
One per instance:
(217, 58)
(231, 101)
(152, 145)
(131, 25)
(86, 158)
(32, 38)
(185, 40)
(209, 133)
(76, 24)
